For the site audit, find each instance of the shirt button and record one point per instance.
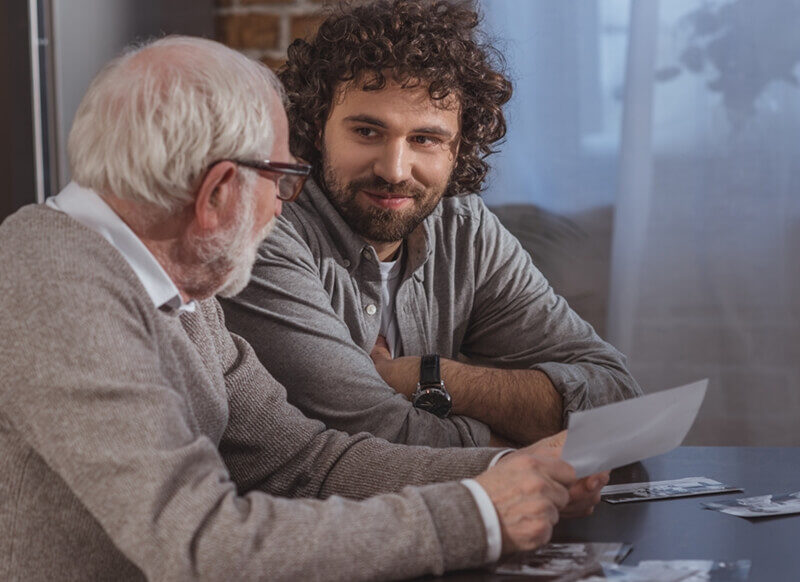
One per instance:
(366, 254)
(346, 263)
(371, 309)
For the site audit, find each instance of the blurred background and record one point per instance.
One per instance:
(651, 166)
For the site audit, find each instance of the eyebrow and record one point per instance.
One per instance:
(429, 129)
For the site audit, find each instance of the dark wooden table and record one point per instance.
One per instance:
(675, 529)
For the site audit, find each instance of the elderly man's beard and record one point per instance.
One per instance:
(242, 256)
(228, 257)
(378, 224)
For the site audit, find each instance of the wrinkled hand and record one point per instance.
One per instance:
(402, 374)
(528, 492)
(584, 495)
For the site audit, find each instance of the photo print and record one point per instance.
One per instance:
(561, 562)
(651, 490)
(676, 571)
(760, 506)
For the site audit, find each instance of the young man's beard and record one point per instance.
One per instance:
(373, 223)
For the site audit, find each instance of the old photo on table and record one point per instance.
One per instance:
(676, 571)
(760, 506)
(565, 561)
(650, 490)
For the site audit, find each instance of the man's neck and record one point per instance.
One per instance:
(162, 235)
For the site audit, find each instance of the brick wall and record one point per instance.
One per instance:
(263, 29)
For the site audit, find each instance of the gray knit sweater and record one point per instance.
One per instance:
(135, 444)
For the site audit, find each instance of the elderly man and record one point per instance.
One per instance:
(140, 439)
(390, 252)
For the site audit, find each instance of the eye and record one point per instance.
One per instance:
(426, 140)
(365, 131)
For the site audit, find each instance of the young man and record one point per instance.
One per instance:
(139, 439)
(390, 252)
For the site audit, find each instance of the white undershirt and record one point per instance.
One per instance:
(390, 280)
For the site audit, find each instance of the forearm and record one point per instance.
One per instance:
(337, 382)
(372, 466)
(520, 405)
(495, 440)
(519, 322)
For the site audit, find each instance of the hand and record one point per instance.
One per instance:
(528, 492)
(549, 447)
(585, 493)
(402, 374)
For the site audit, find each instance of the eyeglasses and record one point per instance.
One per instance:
(291, 177)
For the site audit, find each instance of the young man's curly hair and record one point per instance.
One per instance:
(432, 42)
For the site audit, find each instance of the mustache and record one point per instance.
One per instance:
(378, 185)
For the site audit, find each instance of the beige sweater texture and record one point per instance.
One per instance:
(139, 445)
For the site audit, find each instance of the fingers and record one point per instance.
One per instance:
(584, 495)
(528, 524)
(594, 483)
(381, 350)
(597, 481)
(528, 493)
(556, 469)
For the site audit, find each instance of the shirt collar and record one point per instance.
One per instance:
(419, 244)
(88, 208)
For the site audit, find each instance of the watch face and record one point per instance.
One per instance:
(433, 400)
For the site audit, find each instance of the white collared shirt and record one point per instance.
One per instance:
(85, 206)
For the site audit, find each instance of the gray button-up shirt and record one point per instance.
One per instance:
(312, 313)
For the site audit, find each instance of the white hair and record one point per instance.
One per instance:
(158, 116)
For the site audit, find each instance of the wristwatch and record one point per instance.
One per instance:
(431, 395)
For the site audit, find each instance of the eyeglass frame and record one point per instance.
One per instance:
(285, 168)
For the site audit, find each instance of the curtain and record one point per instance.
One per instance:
(652, 169)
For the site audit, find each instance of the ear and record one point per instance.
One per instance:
(216, 196)
(455, 148)
(318, 139)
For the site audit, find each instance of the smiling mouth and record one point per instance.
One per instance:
(385, 195)
(386, 200)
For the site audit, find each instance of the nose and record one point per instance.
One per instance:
(394, 162)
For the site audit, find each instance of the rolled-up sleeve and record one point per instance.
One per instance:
(518, 321)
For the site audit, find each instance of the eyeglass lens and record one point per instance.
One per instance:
(288, 186)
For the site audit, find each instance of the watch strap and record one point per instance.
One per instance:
(429, 372)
